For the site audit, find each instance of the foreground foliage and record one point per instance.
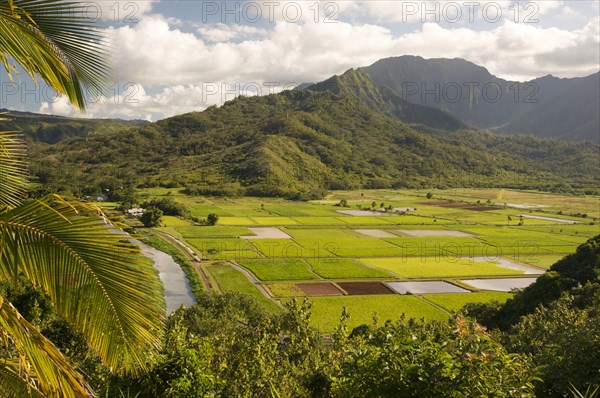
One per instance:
(227, 346)
(556, 321)
(95, 278)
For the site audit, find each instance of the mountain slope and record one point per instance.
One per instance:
(549, 106)
(51, 129)
(297, 144)
(356, 84)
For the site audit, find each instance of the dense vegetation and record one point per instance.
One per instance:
(228, 346)
(556, 321)
(298, 144)
(359, 86)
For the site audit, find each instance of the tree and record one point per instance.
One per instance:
(152, 217)
(212, 219)
(429, 195)
(96, 278)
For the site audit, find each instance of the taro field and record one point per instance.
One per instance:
(383, 253)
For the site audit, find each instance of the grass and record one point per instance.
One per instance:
(274, 221)
(366, 247)
(417, 267)
(290, 210)
(316, 248)
(455, 301)
(326, 235)
(367, 220)
(236, 221)
(326, 311)
(205, 209)
(279, 269)
(543, 261)
(345, 268)
(171, 221)
(213, 232)
(275, 248)
(319, 220)
(281, 289)
(224, 249)
(232, 280)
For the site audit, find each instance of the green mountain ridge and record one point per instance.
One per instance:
(358, 85)
(52, 129)
(298, 144)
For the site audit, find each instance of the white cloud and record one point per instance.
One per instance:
(176, 71)
(221, 32)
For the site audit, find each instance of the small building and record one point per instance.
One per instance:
(136, 211)
(98, 197)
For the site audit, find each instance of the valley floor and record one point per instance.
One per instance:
(386, 253)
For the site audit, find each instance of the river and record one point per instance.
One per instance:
(177, 288)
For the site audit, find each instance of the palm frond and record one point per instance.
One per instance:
(40, 369)
(56, 41)
(13, 169)
(97, 279)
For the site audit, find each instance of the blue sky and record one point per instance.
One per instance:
(173, 57)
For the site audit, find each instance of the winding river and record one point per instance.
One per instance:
(177, 288)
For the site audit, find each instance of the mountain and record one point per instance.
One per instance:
(548, 106)
(358, 85)
(51, 129)
(298, 144)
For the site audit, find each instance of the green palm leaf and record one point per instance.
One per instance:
(13, 169)
(40, 369)
(56, 41)
(96, 278)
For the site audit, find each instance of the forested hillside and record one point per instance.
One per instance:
(298, 144)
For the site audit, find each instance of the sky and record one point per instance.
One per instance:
(173, 57)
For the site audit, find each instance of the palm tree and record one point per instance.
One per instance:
(94, 276)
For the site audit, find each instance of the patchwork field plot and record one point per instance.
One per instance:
(319, 289)
(231, 280)
(326, 311)
(171, 221)
(364, 213)
(279, 248)
(325, 235)
(266, 233)
(365, 288)
(274, 221)
(375, 233)
(213, 232)
(441, 251)
(414, 267)
(279, 269)
(501, 284)
(237, 221)
(428, 287)
(455, 301)
(433, 232)
(345, 268)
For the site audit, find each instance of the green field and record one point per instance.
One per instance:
(345, 268)
(231, 280)
(455, 301)
(325, 245)
(279, 269)
(326, 311)
(416, 267)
